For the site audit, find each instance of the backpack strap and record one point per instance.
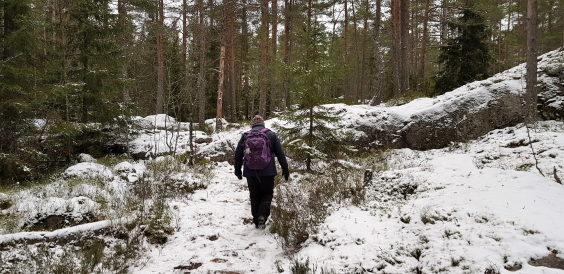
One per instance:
(264, 130)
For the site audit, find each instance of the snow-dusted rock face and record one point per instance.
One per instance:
(126, 171)
(83, 157)
(87, 169)
(465, 113)
(551, 83)
(56, 213)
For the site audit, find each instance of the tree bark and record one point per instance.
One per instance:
(378, 55)
(273, 86)
(531, 77)
(404, 17)
(346, 34)
(244, 81)
(396, 45)
(219, 115)
(160, 57)
(263, 81)
(287, 49)
(421, 69)
(202, 63)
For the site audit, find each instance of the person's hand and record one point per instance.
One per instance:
(286, 174)
(239, 174)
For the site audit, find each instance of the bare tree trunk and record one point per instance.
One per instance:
(219, 116)
(378, 56)
(404, 46)
(287, 49)
(444, 25)
(531, 78)
(273, 87)
(160, 57)
(345, 28)
(228, 30)
(231, 62)
(421, 70)
(122, 13)
(244, 66)
(202, 73)
(263, 81)
(396, 45)
(185, 76)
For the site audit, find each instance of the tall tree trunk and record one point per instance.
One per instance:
(444, 26)
(228, 30)
(122, 41)
(231, 62)
(531, 78)
(219, 115)
(287, 49)
(202, 63)
(185, 80)
(378, 56)
(64, 77)
(404, 46)
(263, 81)
(160, 57)
(273, 87)
(396, 45)
(244, 63)
(346, 34)
(421, 69)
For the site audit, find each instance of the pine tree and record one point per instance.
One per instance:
(466, 57)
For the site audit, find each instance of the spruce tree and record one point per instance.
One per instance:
(308, 128)
(466, 57)
(17, 64)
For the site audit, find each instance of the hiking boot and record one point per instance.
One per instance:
(261, 223)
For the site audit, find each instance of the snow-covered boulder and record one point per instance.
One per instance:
(201, 137)
(551, 84)
(86, 158)
(162, 121)
(5, 202)
(463, 114)
(55, 213)
(86, 170)
(141, 122)
(126, 171)
(212, 123)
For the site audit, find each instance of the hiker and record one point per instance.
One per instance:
(260, 168)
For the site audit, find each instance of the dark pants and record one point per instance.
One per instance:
(261, 190)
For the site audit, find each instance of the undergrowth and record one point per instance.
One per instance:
(112, 250)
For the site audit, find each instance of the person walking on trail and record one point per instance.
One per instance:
(256, 151)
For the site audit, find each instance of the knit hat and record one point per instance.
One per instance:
(257, 120)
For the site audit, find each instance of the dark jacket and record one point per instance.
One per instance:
(275, 149)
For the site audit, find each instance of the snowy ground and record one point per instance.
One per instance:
(477, 206)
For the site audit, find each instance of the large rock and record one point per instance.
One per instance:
(88, 170)
(463, 114)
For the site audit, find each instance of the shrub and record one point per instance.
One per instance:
(301, 206)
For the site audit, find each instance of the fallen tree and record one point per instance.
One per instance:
(64, 235)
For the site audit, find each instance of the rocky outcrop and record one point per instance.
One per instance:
(463, 114)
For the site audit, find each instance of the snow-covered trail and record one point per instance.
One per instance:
(213, 236)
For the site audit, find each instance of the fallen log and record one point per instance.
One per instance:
(63, 235)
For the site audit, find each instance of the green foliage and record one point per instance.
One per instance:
(466, 57)
(159, 223)
(311, 134)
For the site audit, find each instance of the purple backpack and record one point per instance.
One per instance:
(257, 149)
